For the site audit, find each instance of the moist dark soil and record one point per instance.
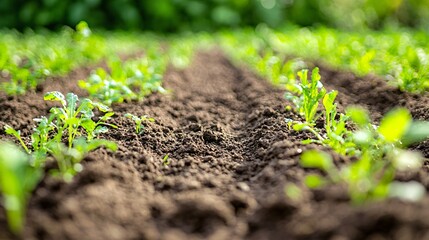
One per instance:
(230, 156)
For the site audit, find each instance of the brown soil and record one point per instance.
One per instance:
(231, 155)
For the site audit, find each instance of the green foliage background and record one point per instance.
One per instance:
(178, 15)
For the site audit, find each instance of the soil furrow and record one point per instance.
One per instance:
(374, 93)
(230, 156)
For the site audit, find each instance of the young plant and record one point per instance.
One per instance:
(381, 154)
(17, 180)
(74, 119)
(130, 80)
(41, 138)
(73, 116)
(335, 133)
(17, 134)
(138, 121)
(309, 96)
(69, 159)
(166, 160)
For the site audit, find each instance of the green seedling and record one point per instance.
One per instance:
(17, 180)
(17, 134)
(166, 160)
(102, 86)
(139, 127)
(73, 119)
(41, 137)
(381, 154)
(130, 80)
(28, 58)
(311, 92)
(74, 116)
(335, 133)
(69, 159)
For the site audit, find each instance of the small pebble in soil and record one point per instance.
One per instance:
(243, 186)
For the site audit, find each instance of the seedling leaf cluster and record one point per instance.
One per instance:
(71, 123)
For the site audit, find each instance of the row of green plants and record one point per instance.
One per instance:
(73, 130)
(28, 59)
(65, 137)
(400, 56)
(378, 152)
(126, 81)
(134, 78)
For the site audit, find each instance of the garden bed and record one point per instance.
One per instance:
(230, 156)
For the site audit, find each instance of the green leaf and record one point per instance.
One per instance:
(88, 125)
(132, 117)
(359, 116)
(315, 76)
(303, 76)
(314, 181)
(9, 130)
(17, 180)
(395, 124)
(96, 143)
(72, 100)
(106, 117)
(86, 107)
(55, 96)
(101, 129)
(316, 159)
(17, 134)
(101, 107)
(300, 126)
(328, 101)
(417, 132)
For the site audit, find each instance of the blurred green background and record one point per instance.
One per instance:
(183, 15)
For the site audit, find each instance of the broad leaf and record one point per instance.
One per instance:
(395, 124)
(55, 96)
(417, 132)
(359, 116)
(316, 159)
(314, 181)
(328, 101)
(72, 100)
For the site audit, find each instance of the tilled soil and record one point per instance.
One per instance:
(230, 156)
